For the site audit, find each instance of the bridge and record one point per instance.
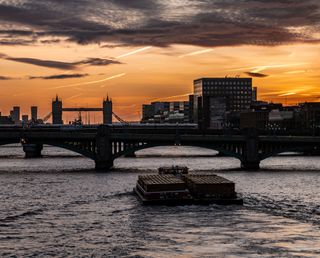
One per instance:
(105, 143)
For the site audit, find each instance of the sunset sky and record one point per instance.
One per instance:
(138, 51)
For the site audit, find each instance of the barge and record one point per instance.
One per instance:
(183, 188)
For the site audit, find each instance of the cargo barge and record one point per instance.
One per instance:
(183, 188)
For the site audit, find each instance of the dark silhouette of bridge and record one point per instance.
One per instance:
(105, 143)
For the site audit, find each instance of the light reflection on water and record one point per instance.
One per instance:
(58, 206)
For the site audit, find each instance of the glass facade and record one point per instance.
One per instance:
(237, 93)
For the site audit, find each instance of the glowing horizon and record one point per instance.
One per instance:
(119, 51)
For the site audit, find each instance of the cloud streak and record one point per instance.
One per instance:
(90, 82)
(195, 53)
(6, 78)
(59, 64)
(260, 68)
(59, 76)
(258, 75)
(171, 97)
(134, 52)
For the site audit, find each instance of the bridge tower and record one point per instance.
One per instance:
(57, 111)
(107, 111)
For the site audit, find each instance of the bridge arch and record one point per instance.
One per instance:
(64, 145)
(230, 152)
(277, 151)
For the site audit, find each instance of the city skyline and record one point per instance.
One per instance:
(136, 59)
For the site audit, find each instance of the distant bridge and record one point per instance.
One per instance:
(105, 143)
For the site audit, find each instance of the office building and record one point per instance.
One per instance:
(160, 107)
(166, 112)
(254, 119)
(310, 113)
(15, 114)
(254, 94)
(25, 118)
(4, 120)
(214, 98)
(34, 113)
(191, 111)
(148, 112)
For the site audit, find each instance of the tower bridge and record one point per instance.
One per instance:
(105, 143)
(58, 109)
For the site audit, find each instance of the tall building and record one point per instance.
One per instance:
(15, 114)
(160, 107)
(191, 106)
(5, 120)
(57, 111)
(34, 113)
(148, 112)
(25, 118)
(215, 97)
(107, 111)
(310, 114)
(254, 93)
(166, 112)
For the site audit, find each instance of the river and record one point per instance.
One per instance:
(57, 206)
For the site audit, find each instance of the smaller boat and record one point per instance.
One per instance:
(174, 170)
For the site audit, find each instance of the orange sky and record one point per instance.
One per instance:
(151, 73)
(142, 50)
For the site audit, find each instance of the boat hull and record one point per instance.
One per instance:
(189, 201)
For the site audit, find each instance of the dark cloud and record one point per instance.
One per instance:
(164, 22)
(59, 64)
(50, 41)
(114, 45)
(258, 75)
(137, 4)
(43, 63)
(98, 62)
(5, 78)
(59, 76)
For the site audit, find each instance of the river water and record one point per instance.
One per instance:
(57, 206)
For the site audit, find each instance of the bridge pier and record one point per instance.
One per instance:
(32, 150)
(103, 166)
(130, 154)
(104, 158)
(250, 165)
(251, 155)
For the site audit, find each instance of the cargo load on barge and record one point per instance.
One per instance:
(179, 187)
(162, 189)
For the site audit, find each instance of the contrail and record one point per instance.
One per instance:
(134, 52)
(197, 53)
(287, 94)
(296, 72)
(92, 82)
(74, 96)
(171, 97)
(257, 69)
(113, 77)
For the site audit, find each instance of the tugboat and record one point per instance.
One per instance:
(174, 170)
(173, 185)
